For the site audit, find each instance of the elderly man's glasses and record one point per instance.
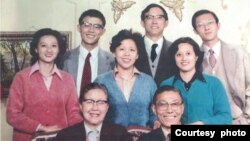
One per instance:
(89, 25)
(97, 102)
(174, 105)
(157, 17)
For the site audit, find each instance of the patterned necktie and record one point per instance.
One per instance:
(212, 59)
(153, 52)
(86, 74)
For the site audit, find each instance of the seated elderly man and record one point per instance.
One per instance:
(94, 105)
(168, 107)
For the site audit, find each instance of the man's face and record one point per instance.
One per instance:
(91, 29)
(94, 107)
(154, 23)
(169, 108)
(206, 27)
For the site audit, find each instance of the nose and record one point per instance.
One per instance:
(206, 26)
(154, 20)
(127, 52)
(169, 109)
(49, 48)
(91, 28)
(94, 106)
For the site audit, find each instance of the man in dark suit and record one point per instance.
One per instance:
(168, 107)
(153, 55)
(91, 27)
(94, 105)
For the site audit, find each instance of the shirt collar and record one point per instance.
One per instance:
(216, 48)
(88, 129)
(135, 71)
(84, 52)
(36, 67)
(198, 75)
(149, 43)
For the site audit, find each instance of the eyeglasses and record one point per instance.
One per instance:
(89, 25)
(164, 105)
(157, 17)
(205, 24)
(97, 102)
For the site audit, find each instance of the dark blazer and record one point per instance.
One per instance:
(109, 132)
(105, 61)
(155, 135)
(163, 70)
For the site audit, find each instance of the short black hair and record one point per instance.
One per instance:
(92, 13)
(166, 88)
(201, 12)
(92, 86)
(123, 35)
(35, 41)
(175, 47)
(144, 11)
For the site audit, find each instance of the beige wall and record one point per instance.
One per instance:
(30, 15)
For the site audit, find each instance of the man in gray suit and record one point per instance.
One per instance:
(153, 55)
(91, 28)
(229, 63)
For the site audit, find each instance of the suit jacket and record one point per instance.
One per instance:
(163, 70)
(105, 62)
(155, 135)
(237, 68)
(109, 132)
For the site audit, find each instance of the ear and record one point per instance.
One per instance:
(80, 106)
(103, 31)
(142, 24)
(166, 24)
(153, 109)
(78, 28)
(113, 53)
(218, 26)
(195, 31)
(182, 108)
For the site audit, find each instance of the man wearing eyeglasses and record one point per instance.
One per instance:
(88, 55)
(168, 107)
(153, 56)
(229, 63)
(94, 106)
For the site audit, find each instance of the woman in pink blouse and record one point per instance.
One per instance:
(42, 97)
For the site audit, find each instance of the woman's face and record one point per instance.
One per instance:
(185, 57)
(126, 54)
(48, 49)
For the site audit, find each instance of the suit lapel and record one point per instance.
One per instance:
(105, 134)
(161, 67)
(229, 60)
(143, 61)
(103, 62)
(73, 62)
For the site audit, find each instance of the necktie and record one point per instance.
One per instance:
(212, 59)
(169, 137)
(93, 135)
(153, 52)
(86, 74)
